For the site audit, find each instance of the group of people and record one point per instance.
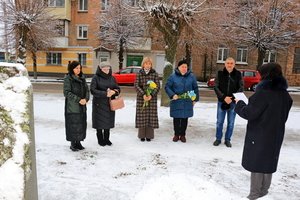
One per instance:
(266, 112)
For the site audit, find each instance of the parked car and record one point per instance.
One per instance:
(127, 75)
(251, 79)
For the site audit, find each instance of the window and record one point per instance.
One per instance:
(54, 58)
(56, 3)
(248, 74)
(82, 32)
(82, 59)
(2, 56)
(242, 53)
(83, 5)
(270, 56)
(125, 71)
(244, 19)
(60, 27)
(105, 4)
(296, 64)
(223, 53)
(132, 2)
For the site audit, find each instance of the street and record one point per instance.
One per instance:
(206, 94)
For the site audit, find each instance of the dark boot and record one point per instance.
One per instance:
(73, 146)
(100, 138)
(79, 146)
(106, 137)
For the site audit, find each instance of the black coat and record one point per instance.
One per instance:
(102, 116)
(226, 84)
(266, 112)
(75, 88)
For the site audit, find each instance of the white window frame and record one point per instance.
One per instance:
(224, 56)
(81, 31)
(53, 3)
(104, 4)
(269, 55)
(82, 58)
(133, 3)
(83, 5)
(239, 59)
(244, 19)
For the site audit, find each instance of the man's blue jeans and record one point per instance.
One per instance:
(220, 121)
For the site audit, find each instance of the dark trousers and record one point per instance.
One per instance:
(180, 125)
(260, 184)
(146, 132)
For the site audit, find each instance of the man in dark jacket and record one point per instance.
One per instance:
(227, 81)
(266, 112)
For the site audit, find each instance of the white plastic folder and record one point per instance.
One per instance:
(241, 96)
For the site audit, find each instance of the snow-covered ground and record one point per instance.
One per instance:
(156, 170)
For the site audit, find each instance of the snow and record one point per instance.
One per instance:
(13, 97)
(160, 169)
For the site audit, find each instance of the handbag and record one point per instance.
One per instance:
(116, 103)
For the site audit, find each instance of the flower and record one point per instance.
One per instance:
(188, 95)
(151, 85)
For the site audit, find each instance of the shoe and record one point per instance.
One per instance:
(79, 146)
(182, 139)
(227, 143)
(148, 139)
(143, 139)
(73, 147)
(217, 142)
(108, 142)
(175, 138)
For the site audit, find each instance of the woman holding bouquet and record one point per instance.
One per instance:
(147, 87)
(182, 88)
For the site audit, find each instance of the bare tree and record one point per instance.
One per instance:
(266, 25)
(30, 22)
(120, 28)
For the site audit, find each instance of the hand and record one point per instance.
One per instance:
(236, 100)
(175, 97)
(228, 100)
(147, 98)
(82, 102)
(194, 102)
(110, 92)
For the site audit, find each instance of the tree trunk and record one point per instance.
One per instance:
(261, 57)
(188, 53)
(121, 53)
(205, 67)
(22, 49)
(170, 51)
(34, 64)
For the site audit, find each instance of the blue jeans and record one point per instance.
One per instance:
(220, 121)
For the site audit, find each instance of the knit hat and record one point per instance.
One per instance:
(182, 62)
(105, 64)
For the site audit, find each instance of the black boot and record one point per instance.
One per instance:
(73, 146)
(100, 138)
(106, 137)
(79, 146)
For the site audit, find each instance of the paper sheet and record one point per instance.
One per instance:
(241, 96)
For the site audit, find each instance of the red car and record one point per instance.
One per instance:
(127, 75)
(251, 79)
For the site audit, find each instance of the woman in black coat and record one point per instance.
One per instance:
(267, 113)
(103, 87)
(77, 95)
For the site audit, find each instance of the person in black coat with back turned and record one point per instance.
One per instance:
(267, 113)
(103, 87)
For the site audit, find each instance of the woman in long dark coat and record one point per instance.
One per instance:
(103, 87)
(267, 113)
(179, 83)
(146, 119)
(76, 94)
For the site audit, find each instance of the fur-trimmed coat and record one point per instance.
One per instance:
(266, 112)
(147, 116)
